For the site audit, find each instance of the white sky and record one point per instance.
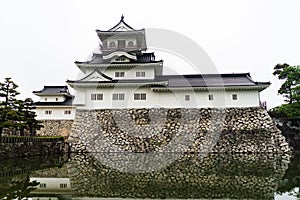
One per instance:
(40, 40)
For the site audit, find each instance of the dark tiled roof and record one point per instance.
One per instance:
(143, 58)
(208, 80)
(194, 80)
(67, 102)
(121, 21)
(53, 90)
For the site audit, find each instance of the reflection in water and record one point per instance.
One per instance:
(219, 176)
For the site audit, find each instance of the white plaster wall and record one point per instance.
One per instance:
(57, 113)
(130, 73)
(115, 39)
(198, 99)
(52, 184)
(60, 98)
(79, 97)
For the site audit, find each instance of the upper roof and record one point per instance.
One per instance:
(141, 58)
(122, 26)
(53, 90)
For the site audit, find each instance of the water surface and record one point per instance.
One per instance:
(192, 176)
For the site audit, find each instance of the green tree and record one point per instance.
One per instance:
(290, 89)
(8, 113)
(17, 115)
(31, 123)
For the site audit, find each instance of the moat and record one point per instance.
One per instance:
(190, 176)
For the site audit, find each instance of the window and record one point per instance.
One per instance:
(118, 96)
(187, 97)
(140, 74)
(48, 112)
(122, 59)
(56, 99)
(234, 96)
(112, 44)
(130, 44)
(43, 185)
(139, 96)
(63, 185)
(96, 97)
(210, 97)
(119, 74)
(46, 99)
(121, 44)
(67, 112)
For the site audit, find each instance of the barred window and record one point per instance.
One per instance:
(140, 74)
(96, 97)
(118, 96)
(210, 97)
(234, 96)
(63, 185)
(67, 112)
(140, 96)
(48, 112)
(119, 74)
(187, 97)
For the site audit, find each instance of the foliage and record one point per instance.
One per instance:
(286, 111)
(16, 115)
(290, 89)
(19, 189)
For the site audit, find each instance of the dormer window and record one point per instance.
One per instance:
(112, 44)
(130, 44)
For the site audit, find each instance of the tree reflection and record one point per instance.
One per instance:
(19, 189)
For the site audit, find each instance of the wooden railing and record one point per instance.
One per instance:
(16, 139)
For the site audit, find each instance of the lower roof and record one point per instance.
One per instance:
(241, 80)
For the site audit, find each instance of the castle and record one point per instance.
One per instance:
(122, 74)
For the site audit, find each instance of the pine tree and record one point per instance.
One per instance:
(290, 89)
(16, 115)
(8, 95)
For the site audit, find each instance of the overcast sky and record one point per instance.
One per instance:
(40, 40)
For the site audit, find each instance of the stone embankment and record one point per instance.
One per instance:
(238, 130)
(23, 149)
(56, 128)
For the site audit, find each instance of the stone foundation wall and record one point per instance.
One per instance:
(22, 149)
(245, 130)
(56, 128)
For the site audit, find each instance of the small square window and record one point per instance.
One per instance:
(46, 99)
(118, 96)
(119, 74)
(234, 96)
(67, 112)
(210, 97)
(187, 97)
(48, 112)
(63, 185)
(96, 97)
(43, 185)
(140, 74)
(140, 96)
